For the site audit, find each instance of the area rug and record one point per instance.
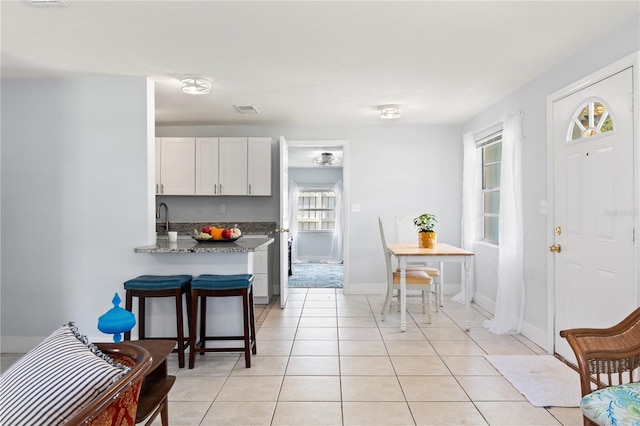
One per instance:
(316, 275)
(543, 379)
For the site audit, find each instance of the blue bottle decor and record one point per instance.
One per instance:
(116, 320)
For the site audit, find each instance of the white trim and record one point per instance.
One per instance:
(484, 302)
(537, 336)
(629, 61)
(495, 127)
(344, 144)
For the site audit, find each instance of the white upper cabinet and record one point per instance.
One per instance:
(213, 166)
(259, 166)
(158, 168)
(177, 166)
(233, 166)
(207, 182)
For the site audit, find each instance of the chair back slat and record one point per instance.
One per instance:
(387, 255)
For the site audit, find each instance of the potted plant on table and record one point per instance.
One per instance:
(425, 223)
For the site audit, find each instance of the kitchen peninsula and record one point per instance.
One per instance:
(187, 256)
(245, 244)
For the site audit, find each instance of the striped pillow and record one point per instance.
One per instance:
(55, 379)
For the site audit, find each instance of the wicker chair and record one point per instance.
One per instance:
(606, 356)
(117, 406)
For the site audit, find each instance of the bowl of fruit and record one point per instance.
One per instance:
(213, 234)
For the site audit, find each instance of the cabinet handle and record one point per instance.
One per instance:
(157, 188)
(220, 189)
(249, 189)
(215, 189)
(162, 188)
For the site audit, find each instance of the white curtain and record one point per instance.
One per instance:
(509, 309)
(336, 242)
(471, 215)
(294, 189)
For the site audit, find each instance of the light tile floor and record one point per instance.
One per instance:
(328, 359)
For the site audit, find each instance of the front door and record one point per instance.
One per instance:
(594, 207)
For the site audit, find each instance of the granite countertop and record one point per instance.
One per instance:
(186, 228)
(189, 245)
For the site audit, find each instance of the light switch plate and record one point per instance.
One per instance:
(355, 208)
(221, 208)
(543, 207)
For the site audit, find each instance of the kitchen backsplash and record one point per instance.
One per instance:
(262, 228)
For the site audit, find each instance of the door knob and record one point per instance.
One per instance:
(556, 248)
(281, 230)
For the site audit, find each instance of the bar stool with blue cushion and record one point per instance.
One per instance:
(160, 286)
(222, 286)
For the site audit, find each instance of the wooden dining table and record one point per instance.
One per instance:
(442, 253)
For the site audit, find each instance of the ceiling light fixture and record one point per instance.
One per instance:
(195, 84)
(390, 111)
(246, 109)
(326, 159)
(41, 3)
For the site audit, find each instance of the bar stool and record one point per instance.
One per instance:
(160, 286)
(222, 286)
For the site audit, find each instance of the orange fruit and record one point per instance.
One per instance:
(216, 233)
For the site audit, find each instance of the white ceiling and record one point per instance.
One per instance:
(302, 62)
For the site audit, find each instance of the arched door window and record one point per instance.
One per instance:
(590, 119)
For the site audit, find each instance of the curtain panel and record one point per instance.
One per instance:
(509, 311)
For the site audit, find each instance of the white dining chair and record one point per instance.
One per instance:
(407, 233)
(416, 280)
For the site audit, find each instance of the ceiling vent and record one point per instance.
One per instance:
(41, 3)
(246, 109)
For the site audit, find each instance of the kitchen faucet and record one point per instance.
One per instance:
(166, 215)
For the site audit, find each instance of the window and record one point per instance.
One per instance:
(316, 210)
(491, 148)
(592, 118)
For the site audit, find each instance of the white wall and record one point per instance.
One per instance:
(75, 200)
(77, 195)
(77, 182)
(393, 169)
(315, 175)
(531, 100)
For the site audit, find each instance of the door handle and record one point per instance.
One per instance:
(281, 230)
(556, 248)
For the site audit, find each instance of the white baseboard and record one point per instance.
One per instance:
(536, 335)
(484, 302)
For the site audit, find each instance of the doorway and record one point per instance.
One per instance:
(593, 255)
(318, 221)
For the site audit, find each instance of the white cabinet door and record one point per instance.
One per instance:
(177, 170)
(261, 276)
(158, 167)
(259, 166)
(207, 182)
(233, 166)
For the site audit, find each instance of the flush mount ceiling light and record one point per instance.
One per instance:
(326, 159)
(195, 84)
(246, 109)
(47, 2)
(390, 111)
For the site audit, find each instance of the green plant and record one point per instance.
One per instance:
(425, 222)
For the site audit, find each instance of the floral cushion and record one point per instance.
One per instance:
(614, 405)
